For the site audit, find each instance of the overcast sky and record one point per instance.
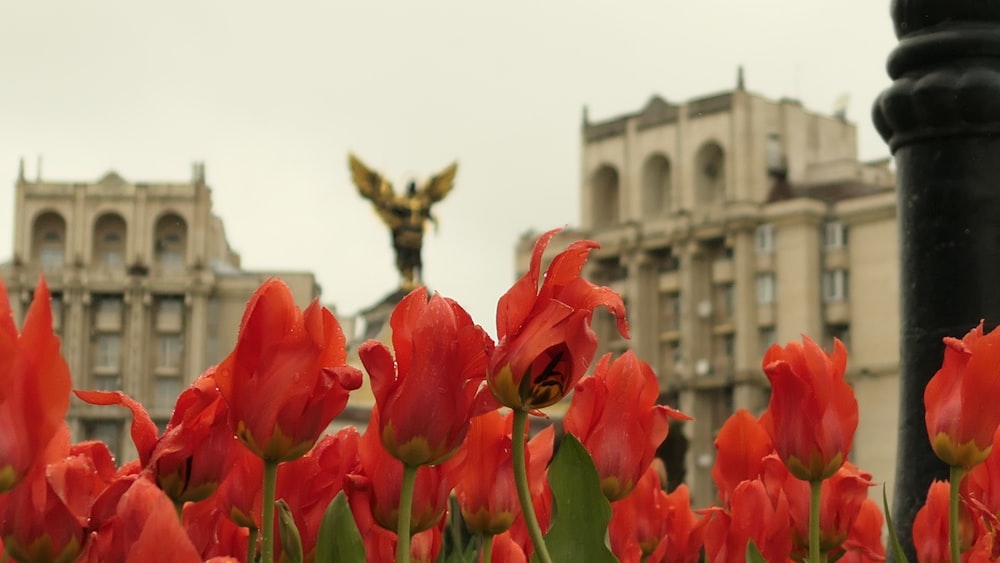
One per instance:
(272, 96)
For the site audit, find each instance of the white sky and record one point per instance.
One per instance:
(272, 96)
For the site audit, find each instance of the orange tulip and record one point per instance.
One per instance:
(34, 390)
(615, 416)
(864, 542)
(960, 400)
(546, 343)
(983, 481)
(813, 414)
(286, 379)
(428, 394)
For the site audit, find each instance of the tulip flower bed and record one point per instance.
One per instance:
(445, 470)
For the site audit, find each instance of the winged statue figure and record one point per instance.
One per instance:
(405, 214)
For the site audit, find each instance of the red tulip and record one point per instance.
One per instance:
(813, 414)
(427, 395)
(930, 526)
(740, 448)
(488, 498)
(145, 528)
(46, 519)
(240, 494)
(841, 499)
(864, 542)
(960, 400)
(546, 343)
(752, 515)
(615, 416)
(655, 527)
(212, 533)
(381, 477)
(286, 379)
(506, 550)
(310, 483)
(195, 451)
(983, 481)
(34, 390)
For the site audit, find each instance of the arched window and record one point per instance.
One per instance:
(604, 194)
(48, 241)
(109, 241)
(657, 191)
(710, 173)
(170, 240)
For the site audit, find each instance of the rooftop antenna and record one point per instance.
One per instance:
(740, 82)
(20, 170)
(38, 170)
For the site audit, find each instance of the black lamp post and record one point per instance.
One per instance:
(941, 119)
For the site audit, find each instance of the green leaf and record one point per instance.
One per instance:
(581, 513)
(753, 554)
(897, 549)
(339, 540)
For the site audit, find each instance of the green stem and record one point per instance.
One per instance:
(405, 510)
(252, 545)
(523, 492)
(487, 549)
(267, 507)
(815, 492)
(954, 542)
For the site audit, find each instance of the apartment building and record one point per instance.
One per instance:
(146, 291)
(731, 222)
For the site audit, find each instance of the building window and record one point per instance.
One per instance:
(670, 311)
(766, 337)
(765, 288)
(710, 174)
(835, 284)
(656, 186)
(764, 239)
(49, 241)
(108, 317)
(170, 352)
(107, 431)
(171, 242)
(725, 302)
(108, 353)
(170, 314)
(109, 241)
(165, 392)
(604, 197)
(834, 235)
(57, 311)
(841, 333)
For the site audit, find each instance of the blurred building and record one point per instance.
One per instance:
(729, 223)
(146, 291)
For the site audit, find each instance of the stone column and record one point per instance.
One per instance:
(749, 392)
(941, 121)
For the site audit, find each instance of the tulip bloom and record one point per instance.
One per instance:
(930, 526)
(615, 416)
(380, 478)
(983, 481)
(194, 453)
(864, 542)
(546, 343)
(286, 379)
(960, 400)
(34, 389)
(740, 449)
(655, 527)
(752, 515)
(426, 396)
(813, 414)
(488, 499)
(47, 518)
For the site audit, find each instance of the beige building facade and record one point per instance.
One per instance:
(729, 223)
(146, 290)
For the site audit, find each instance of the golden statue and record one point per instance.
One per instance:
(405, 214)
